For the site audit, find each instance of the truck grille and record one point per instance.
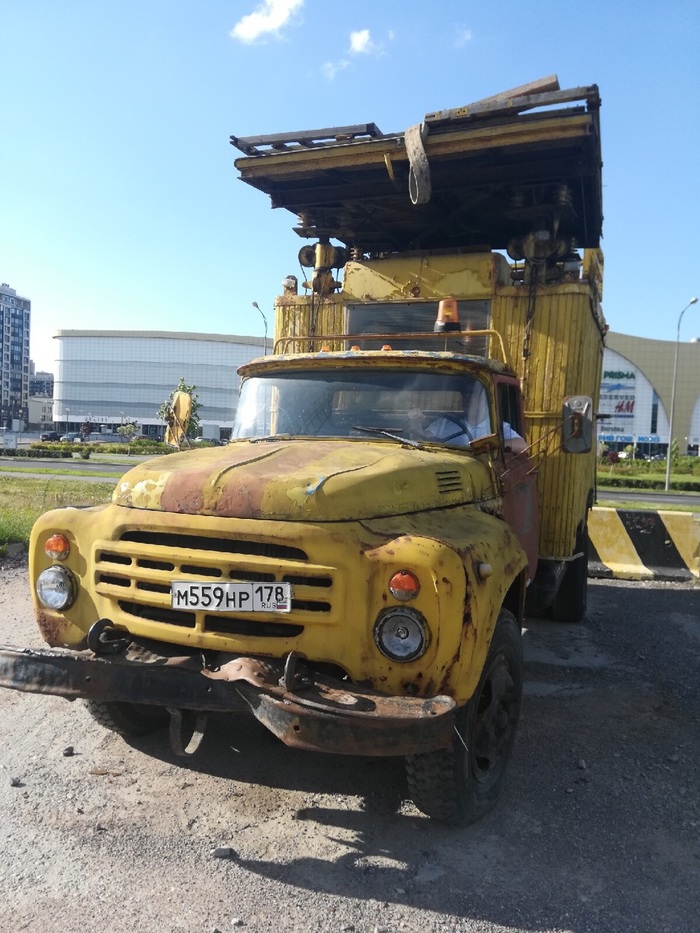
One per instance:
(135, 573)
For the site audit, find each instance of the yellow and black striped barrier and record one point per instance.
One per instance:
(644, 545)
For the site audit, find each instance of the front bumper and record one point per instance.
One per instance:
(303, 709)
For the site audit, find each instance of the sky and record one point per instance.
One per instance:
(120, 207)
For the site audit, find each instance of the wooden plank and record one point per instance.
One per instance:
(514, 105)
(365, 153)
(250, 144)
(550, 83)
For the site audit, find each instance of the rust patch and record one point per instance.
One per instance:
(239, 500)
(447, 671)
(52, 627)
(183, 491)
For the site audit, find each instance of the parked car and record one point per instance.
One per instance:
(73, 437)
(49, 436)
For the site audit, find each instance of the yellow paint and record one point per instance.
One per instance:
(358, 559)
(614, 547)
(562, 342)
(141, 494)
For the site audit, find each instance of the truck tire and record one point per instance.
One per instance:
(459, 784)
(571, 599)
(128, 718)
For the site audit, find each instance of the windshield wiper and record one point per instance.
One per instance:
(384, 432)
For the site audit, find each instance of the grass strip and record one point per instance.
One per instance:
(22, 501)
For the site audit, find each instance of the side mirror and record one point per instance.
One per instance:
(485, 444)
(577, 424)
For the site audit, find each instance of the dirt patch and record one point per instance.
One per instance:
(598, 829)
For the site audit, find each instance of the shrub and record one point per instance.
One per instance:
(635, 482)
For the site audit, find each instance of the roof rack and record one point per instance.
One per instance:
(473, 176)
(306, 139)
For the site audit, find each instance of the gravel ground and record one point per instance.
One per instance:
(598, 830)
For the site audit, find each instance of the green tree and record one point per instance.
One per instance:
(127, 431)
(193, 427)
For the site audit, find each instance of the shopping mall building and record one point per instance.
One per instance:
(636, 394)
(112, 377)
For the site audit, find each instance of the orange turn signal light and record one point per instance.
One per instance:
(57, 547)
(404, 586)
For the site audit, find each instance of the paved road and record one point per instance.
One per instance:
(659, 499)
(69, 466)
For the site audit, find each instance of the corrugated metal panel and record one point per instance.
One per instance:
(300, 316)
(564, 348)
(558, 353)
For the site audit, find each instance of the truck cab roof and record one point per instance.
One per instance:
(434, 361)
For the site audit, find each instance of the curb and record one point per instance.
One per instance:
(644, 545)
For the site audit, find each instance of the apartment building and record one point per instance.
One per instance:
(15, 322)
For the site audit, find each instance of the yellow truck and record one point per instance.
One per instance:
(410, 471)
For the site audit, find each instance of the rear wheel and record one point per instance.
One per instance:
(461, 783)
(128, 718)
(571, 599)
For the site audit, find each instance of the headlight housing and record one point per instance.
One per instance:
(55, 588)
(401, 634)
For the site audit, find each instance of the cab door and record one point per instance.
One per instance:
(518, 472)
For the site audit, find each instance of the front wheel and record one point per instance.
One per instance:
(128, 718)
(459, 784)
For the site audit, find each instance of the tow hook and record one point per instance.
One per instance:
(181, 725)
(104, 638)
(293, 677)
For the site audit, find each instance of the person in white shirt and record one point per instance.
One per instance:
(473, 422)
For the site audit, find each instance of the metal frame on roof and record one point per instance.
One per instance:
(498, 168)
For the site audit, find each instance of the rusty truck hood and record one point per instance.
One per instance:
(306, 480)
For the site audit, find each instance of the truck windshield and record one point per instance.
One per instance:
(345, 403)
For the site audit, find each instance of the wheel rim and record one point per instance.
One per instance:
(495, 719)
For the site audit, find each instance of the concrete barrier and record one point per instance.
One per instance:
(644, 545)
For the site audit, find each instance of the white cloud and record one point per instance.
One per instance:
(331, 69)
(270, 16)
(361, 42)
(463, 37)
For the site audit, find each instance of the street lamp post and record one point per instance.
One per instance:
(673, 394)
(257, 308)
(67, 418)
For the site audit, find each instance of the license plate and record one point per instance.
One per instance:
(231, 597)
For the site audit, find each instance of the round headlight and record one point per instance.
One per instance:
(55, 588)
(401, 634)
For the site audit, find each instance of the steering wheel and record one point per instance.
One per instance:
(463, 429)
